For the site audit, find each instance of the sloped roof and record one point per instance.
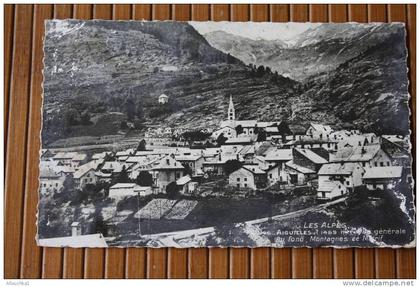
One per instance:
(183, 180)
(191, 157)
(254, 169)
(48, 173)
(383, 172)
(315, 158)
(168, 163)
(322, 128)
(239, 140)
(338, 168)
(246, 123)
(358, 153)
(299, 168)
(83, 169)
(329, 186)
(279, 155)
(124, 185)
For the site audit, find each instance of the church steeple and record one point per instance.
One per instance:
(231, 110)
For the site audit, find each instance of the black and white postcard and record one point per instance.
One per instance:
(205, 134)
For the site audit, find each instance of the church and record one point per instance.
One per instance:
(229, 126)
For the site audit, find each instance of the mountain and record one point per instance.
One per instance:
(368, 91)
(99, 73)
(319, 49)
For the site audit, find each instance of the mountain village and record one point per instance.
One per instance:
(249, 157)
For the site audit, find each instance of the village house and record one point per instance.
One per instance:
(368, 156)
(318, 131)
(50, 181)
(330, 190)
(166, 171)
(72, 159)
(227, 131)
(304, 166)
(348, 174)
(120, 190)
(186, 185)
(248, 176)
(163, 99)
(85, 175)
(194, 162)
(382, 178)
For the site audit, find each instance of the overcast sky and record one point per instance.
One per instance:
(253, 30)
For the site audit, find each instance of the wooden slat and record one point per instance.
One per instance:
(220, 12)
(142, 12)
(239, 258)
(337, 13)
(406, 258)
(406, 263)
(364, 258)
(219, 257)
(178, 258)
(73, 263)
(102, 11)
(135, 261)
(9, 14)
(281, 258)
(94, 259)
(74, 258)
(52, 259)
(260, 257)
(218, 263)
(156, 263)
(198, 257)
(384, 258)
(301, 257)
(121, 12)
(377, 13)
(279, 12)
(115, 263)
(239, 263)
(17, 139)
(200, 12)
(343, 263)
(301, 263)
(281, 263)
(198, 263)
(31, 253)
(161, 12)
(322, 257)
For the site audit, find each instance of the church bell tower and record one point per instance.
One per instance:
(231, 110)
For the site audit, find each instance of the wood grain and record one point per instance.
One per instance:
(31, 253)
(17, 139)
(22, 90)
(52, 263)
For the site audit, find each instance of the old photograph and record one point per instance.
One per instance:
(225, 134)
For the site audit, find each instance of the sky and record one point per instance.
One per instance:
(253, 30)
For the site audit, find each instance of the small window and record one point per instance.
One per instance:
(238, 185)
(246, 185)
(376, 164)
(347, 182)
(238, 179)
(271, 175)
(388, 163)
(56, 185)
(382, 163)
(245, 179)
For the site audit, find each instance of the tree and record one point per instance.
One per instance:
(232, 165)
(221, 139)
(142, 145)
(187, 169)
(130, 109)
(172, 190)
(239, 129)
(262, 135)
(144, 178)
(122, 177)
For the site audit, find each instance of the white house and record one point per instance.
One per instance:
(382, 177)
(318, 131)
(227, 131)
(50, 181)
(120, 190)
(248, 176)
(85, 174)
(166, 170)
(163, 99)
(368, 156)
(348, 174)
(331, 189)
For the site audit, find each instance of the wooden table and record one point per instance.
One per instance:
(24, 25)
